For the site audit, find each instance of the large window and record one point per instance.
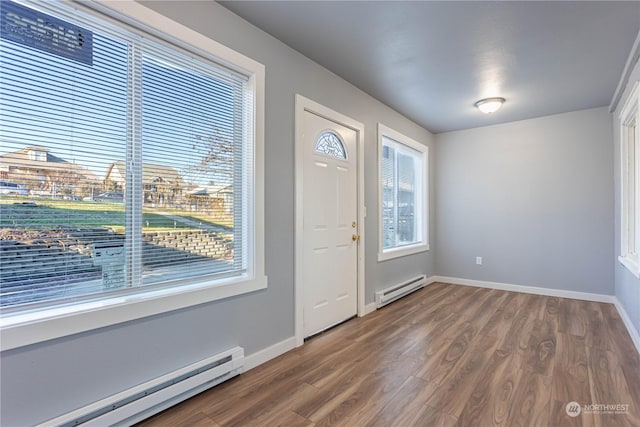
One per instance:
(403, 165)
(137, 156)
(630, 183)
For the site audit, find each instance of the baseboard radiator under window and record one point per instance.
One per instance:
(395, 292)
(140, 402)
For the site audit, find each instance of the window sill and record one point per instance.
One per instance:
(401, 251)
(631, 264)
(55, 322)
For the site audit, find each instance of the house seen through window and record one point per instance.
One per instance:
(125, 163)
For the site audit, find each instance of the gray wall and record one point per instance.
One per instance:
(627, 286)
(45, 380)
(534, 198)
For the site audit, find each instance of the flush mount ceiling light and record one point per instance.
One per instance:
(489, 105)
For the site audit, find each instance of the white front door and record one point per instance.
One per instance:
(330, 227)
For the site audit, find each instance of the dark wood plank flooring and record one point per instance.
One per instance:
(446, 355)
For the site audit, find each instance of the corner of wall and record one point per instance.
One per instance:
(633, 332)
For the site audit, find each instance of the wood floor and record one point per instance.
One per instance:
(446, 355)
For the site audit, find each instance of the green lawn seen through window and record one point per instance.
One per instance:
(41, 214)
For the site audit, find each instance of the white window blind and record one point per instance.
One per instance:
(135, 158)
(403, 200)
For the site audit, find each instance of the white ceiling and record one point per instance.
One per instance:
(431, 60)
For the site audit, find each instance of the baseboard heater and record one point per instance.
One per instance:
(140, 402)
(395, 292)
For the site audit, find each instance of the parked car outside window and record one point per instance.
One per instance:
(110, 198)
(12, 188)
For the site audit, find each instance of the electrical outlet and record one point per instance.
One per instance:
(478, 260)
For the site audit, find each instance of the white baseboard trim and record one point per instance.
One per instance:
(432, 279)
(369, 308)
(633, 332)
(527, 289)
(271, 352)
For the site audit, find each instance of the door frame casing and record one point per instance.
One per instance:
(303, 105)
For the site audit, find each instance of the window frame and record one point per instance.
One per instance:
(385, 132)
(630, 182)
(67, 318)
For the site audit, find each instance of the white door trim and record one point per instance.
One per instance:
(303, 104)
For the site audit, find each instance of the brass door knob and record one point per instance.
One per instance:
(355, 237)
